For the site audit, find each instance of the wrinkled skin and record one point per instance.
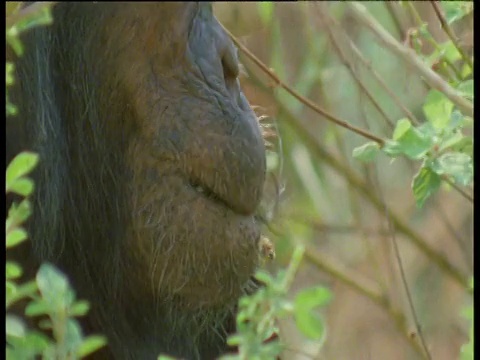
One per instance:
(152, 168)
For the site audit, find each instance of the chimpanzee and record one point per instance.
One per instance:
(151, 172)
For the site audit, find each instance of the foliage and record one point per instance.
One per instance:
(258, 314)
(441, 144)
(49, 295)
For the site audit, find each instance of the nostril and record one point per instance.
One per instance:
(229, 77)
(230, 65)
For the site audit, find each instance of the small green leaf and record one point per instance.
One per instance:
(21, 165)
(458, 165)
(401, 128)
(22, 186)
(19, 213)
(90, 345)
(450, 52)
(14, 326)
(466, 88)
(392, 148)
(424, 184)
(12, 270)
(466, 71)
(414, 144)
(438, 109)
(9, 73)
(54, 287)
(457, 121)
(366, 152)
(455, 10)
(36, 308)
(80, 308)
(263, 276)
(15, 237)
(308, 321)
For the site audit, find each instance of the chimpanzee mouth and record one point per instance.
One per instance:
(209, 194)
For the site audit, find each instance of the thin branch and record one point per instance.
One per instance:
(301, 98)
(349, 66)
(354, 180)
(403, 276)
(409, 56)
(311, 142)
(418, 19)
(390, 7)
(382, 82)
(448, 30)
(361, 285)
(463, 193)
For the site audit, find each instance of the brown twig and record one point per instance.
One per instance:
(402, 275)
(302, 99)
(356, 182)
(448, 30)
(409, 56)
(362, 286)
(343, 58)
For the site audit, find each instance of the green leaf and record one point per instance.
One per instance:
(414, 144)
(9, 73)
(401, 128)
(14, 326)
(457, 121)
(466, 88)
(22, 186)
(466, 71)
(366, 152)
(458, 165)
(36, 308)
(392, 148)
(458, 143)
(15, 237)
(424, 184)
(309, 322)
(165, 357)
(26, 347)
(12, 270)
(54, 287)
(17, 292)
(80, 308)
(19, 213)
(21, 165)
(438, 109)
(450, 52)
(455, 10)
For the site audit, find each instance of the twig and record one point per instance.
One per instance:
(301, 98)
(382, 83)
(403, 276)
(409, 56)
(348, 65)
(448, 30)
(313, 144)
(463, 193)
(351, 177)
(361, 285)
(417, 18)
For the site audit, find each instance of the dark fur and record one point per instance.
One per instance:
(152, 167)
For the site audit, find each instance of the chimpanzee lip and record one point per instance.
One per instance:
(209, 194)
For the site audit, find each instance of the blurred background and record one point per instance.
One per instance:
(319, 196)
